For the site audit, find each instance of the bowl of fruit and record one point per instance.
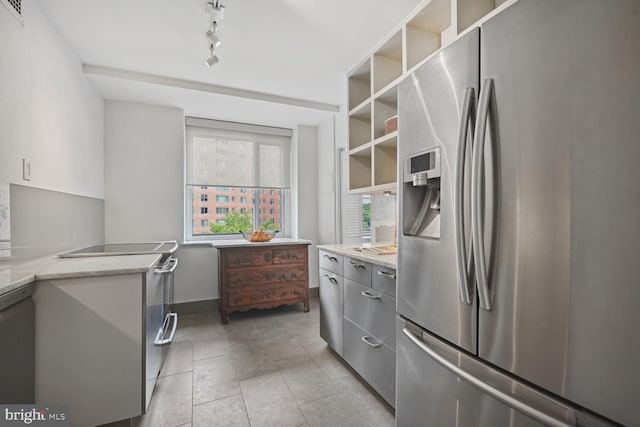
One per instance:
(259, 235)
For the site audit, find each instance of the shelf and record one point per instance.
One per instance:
(385, 107)
(373, 84)
(389, 140)
(360, 126)
(360, 84)
(384, 163)
(387, 62)
(360, 168)
(423, 32)
(360, 108)
(375, 189)
(470, 11)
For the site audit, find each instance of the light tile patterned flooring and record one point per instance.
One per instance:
(265, 368)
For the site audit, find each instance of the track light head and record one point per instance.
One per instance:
(214, 40)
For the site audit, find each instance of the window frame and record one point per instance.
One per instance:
(253, 194)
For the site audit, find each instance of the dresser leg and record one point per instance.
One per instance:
(306, 305)
(224, 317)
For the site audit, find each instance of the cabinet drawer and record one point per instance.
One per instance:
(358, 271)
(290, 255)
(266, 275)
(373, 360)
(371, 310)
(383, 279)
(245, 258)
(331, 314)
(331, 262)
(243, 296)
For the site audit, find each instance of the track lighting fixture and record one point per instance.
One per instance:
(216, 12)
(213, 59)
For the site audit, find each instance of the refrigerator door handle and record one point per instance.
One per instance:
(477, 183)
(505, 397)
(466, 121)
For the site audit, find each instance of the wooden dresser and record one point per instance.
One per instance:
(262, 276)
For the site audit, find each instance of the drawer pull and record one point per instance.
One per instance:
(331, 279)
(245, 262)
(385, 274)
(331, 258)
(367, 339)
(372, 296)
(356, 265)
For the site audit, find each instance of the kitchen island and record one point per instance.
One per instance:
(92, 334)
(262, 274)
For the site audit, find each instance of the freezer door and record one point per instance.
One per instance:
(431, 102)
(562, 187)
(438, 385)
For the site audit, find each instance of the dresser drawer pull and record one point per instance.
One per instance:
(331, 258)
(372, 296)
(367, 339)
(385, 274)
(356, 265)
(331, 279)
(245, 261)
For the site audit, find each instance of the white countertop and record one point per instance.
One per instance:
(390, 260)
(19, 273)
(236, 243)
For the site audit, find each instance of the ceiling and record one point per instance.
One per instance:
(298, 49)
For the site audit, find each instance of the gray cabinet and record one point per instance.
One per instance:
(357, 317)
(331, 303)
(93, 350)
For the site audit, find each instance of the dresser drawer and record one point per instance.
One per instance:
(373, 360)
(358, 271)
(330, 261)
(246, 258)
(372, 310)
(290, 255)
(383, 279)
(266, 275)
(266, 294)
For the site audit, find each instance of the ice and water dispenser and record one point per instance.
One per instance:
(421, 194)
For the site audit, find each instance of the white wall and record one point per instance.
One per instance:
(49, 112)
(143, 172)
(306, 187)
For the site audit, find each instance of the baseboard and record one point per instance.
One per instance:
(193, 307)
(208, 305)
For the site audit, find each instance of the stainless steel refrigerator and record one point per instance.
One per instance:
(519, 245)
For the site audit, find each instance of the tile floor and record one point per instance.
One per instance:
(265, 368)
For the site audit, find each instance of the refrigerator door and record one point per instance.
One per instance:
(438, 385)
(432, 289)
(562, 177)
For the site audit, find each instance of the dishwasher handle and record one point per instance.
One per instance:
(168, 267)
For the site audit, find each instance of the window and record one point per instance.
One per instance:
(240, 159)
(204, 197)
(204, 222)
(204, 210)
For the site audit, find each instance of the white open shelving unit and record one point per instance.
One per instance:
(373, 84)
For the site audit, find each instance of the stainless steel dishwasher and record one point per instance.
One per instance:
(17, 319)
